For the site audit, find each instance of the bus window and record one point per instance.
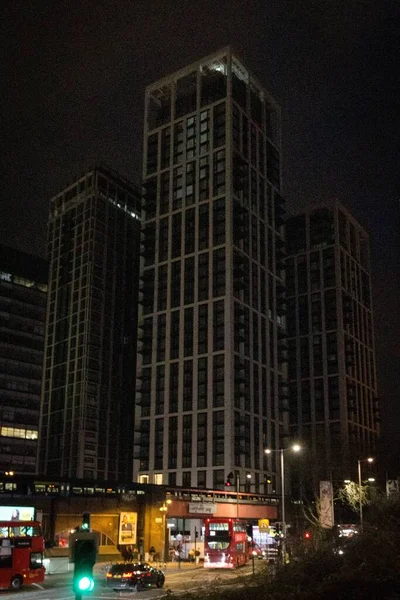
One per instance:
(36, 560)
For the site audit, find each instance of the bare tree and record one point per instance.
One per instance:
(353, 495)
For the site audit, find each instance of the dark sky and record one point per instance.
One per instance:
(72, 83)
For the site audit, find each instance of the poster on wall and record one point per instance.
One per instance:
(127, 528)
(17, 513)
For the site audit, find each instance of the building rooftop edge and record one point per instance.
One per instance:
(328, 203)
(226, 50)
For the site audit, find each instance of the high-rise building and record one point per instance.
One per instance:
(87, 410)
(331, 369)
(23, 292)
(212, 325)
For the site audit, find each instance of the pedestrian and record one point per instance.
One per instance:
(152, 552)
(129, 553)
(125, 554)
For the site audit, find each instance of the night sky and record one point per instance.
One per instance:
(73, 79)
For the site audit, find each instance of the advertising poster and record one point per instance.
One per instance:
(326, 503)
(17, 513)
(127, 528)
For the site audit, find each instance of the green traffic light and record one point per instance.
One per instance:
(86, 584)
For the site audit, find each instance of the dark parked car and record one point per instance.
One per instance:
(138, 576)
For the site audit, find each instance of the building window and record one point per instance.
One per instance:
(202, 329)
(202, 439)
(152, 153)
(219, 325)
(218, 380)
(219, 173)
(188, 332)
(218, 437)
(174, 336)
(178, 143)
(203, 227)
(161, 332)
(189, 281)
(219, 125)
(164, 193)
(186, 479)
(203, 276)
(143, 479)
(202, 383)
(188, 385)
(190, 137)
(158, 478)
(187, 436)
(219, 272)
(201, 479)
(173, 387)
(219, 222)
(177, 188)
(165, 147)
(175, 284)
(159, 443)
(173, 442)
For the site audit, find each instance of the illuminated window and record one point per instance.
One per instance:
(28, 434)
(158, 478)
(143, 479)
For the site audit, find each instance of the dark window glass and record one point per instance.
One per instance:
(203, 226)
(202, 330)
(174, 339)
(202, 383)
(219, 125)
(203, 276)
(219, 221)
(219, 272)
(188, 332)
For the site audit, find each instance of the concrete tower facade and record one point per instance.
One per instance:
(212, 355)
(332, 374)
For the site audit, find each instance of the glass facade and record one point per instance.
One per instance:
(23, 292)
(87, 410)
(209, 317)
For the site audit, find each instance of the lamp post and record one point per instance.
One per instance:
(295, 448)
(164, 510)
(370, 460)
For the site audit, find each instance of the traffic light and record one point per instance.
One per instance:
(85, 522)
(307, 535)
(268, 478)
(84, 553)
(229, 480)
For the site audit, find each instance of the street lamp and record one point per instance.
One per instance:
(164, 510)
(369, 460)
(294, 448)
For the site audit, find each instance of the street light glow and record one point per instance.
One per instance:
(296, 448)
(371, 479)
(347, 480)
(370, 459)
(267, 450)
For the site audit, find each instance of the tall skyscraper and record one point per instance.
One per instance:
(212, 361)
(23, 293)
(87, 409)
(332, 375)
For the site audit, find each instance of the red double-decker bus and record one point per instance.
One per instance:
(21, 554)
(226, 543)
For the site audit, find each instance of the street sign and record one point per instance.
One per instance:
(263, 524)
